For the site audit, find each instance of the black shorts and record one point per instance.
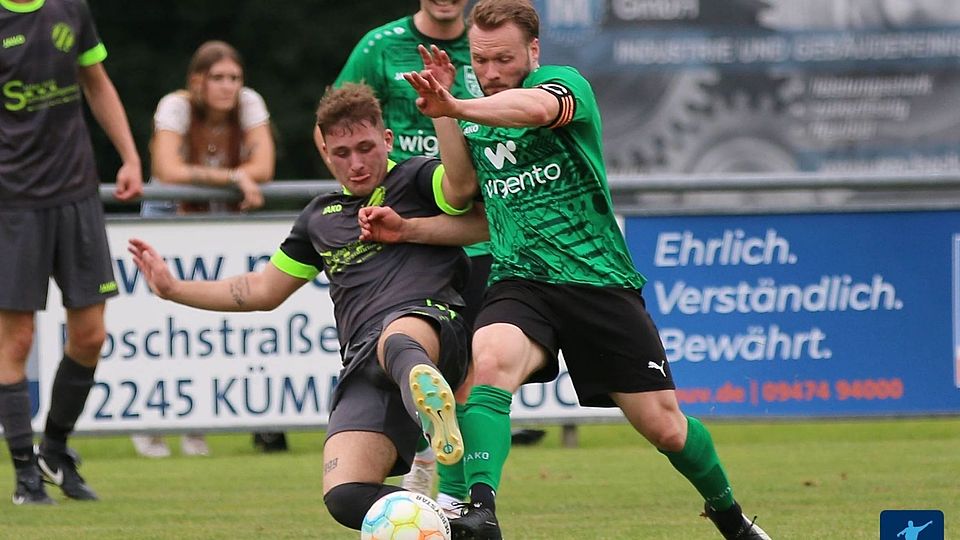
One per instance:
(476, 287)
(68, 242)
(366, 399)
(609, 341)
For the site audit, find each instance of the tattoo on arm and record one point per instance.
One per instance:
(330, 465)
(240, 290)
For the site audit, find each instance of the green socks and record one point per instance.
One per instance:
(699, 463)
(452, 480)
(485, 426)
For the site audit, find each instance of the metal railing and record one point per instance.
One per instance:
(637, 194)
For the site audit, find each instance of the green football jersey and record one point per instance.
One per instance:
(546, 194)
(382, 57)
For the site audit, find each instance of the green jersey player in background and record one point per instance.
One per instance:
(562, 278)
(380, 59)
(384, 54)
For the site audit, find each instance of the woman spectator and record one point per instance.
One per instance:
(216, 132)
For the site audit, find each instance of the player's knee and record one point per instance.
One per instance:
(494, 369)
(666, 436)
(348, 503)
(18, 339)
(485, 368)
(84, 345)
(670, 441)
(19, 346)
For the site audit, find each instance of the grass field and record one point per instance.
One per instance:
(805, 480)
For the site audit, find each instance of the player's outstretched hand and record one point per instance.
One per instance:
(129, 182)
(434, 100)
(437, 62)
(152, 267)
(380, 224)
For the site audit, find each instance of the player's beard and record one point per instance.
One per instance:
(513, 84)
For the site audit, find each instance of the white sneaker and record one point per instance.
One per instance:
(194, 445)
(420, 478)
(450, 505)
(150, 446)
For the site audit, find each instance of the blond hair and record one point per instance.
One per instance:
(492, 14)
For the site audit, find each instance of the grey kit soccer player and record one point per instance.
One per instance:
(395, 305)
(51, 223)
(379, 59)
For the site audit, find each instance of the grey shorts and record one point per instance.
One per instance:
(367, 400)
(67, 242)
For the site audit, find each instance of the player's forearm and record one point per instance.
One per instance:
(238, 293)
(460, 178)
(445, 230)
(518, 107)
(104, 103)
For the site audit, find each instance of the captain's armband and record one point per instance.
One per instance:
(568, 104)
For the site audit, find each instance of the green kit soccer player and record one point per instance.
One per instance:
(562, 278)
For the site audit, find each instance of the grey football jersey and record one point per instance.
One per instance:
(368, 279)
(46, 158)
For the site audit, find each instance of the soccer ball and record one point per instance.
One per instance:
(405, 515)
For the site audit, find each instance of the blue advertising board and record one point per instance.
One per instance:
(806, 314)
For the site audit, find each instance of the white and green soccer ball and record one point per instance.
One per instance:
(405, 515)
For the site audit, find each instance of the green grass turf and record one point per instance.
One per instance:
(805, 480)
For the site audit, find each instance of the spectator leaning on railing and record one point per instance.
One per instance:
(216, 132)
